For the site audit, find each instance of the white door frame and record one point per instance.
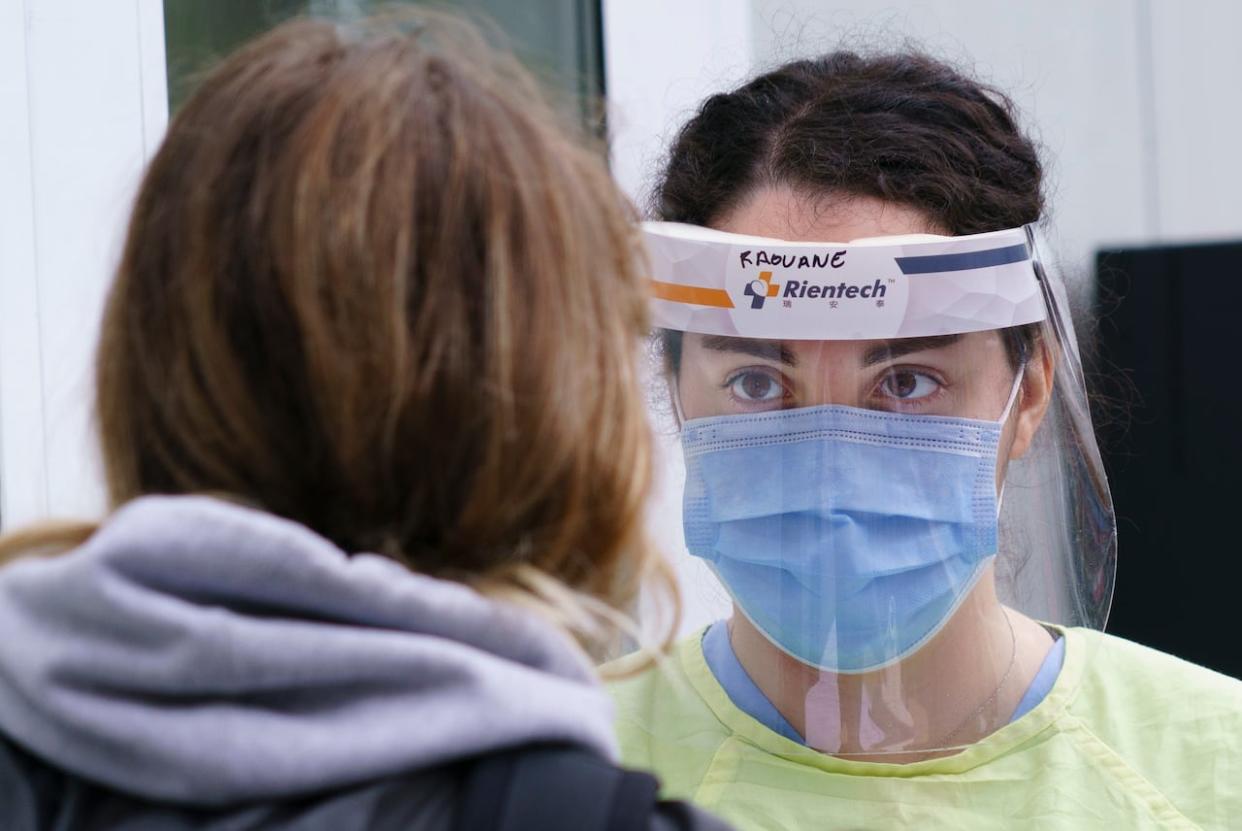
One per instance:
(83, 105)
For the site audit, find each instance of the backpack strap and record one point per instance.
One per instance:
(554, 788)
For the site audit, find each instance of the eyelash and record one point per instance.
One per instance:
(767, 372)
(906, 404)
(876, 393)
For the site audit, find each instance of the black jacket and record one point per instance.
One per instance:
(36, 796)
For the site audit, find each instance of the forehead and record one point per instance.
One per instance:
(784, 213)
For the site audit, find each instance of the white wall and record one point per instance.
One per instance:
(1197, 112)
(1134, 101)
(660, 60)
(84, 103)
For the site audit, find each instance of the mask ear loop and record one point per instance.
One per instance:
(1013, 397)
(675, 391)
(1013, 393)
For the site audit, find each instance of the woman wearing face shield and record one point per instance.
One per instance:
(890, 467)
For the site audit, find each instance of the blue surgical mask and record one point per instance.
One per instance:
(848, 537)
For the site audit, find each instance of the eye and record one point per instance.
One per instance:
(909, 385)
(755, 387)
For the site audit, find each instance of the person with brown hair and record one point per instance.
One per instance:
(369, 407)
(892, 470)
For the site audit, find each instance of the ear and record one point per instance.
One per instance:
(1033, 399)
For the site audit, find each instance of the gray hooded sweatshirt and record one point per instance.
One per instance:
(201, 654)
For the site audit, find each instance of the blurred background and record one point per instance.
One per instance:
(1135, 102)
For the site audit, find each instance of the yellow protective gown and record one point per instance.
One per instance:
(1128, 738)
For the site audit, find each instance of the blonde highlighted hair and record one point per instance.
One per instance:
(374, 283)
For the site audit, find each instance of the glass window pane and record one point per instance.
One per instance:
(560, 40)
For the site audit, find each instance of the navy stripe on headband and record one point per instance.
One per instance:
(963, 262)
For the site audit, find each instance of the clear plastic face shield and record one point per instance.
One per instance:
(890, 467)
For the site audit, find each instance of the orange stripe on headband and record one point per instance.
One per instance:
(697, 295)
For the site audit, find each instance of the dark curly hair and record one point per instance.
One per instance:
(904, 128)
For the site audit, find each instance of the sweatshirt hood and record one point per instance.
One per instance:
(203, 653)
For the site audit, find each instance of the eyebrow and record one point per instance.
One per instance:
(772, 350)
(893, 349)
